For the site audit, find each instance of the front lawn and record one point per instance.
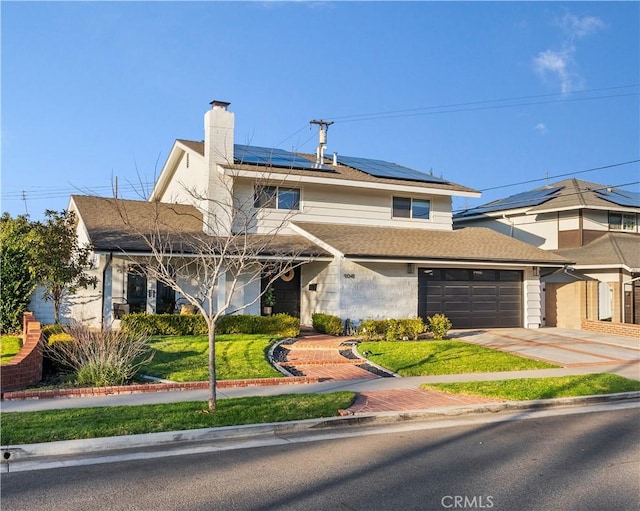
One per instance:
(186, 358)
(78, 423)
(9, 347)
(423, 358)
(522, 389)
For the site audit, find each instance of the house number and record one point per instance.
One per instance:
(349, 275)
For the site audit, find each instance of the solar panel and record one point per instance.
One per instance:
(620, 197)
(379, 168)
(519, 200)
(255, 155)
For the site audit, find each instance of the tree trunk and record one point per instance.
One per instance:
(212, 366)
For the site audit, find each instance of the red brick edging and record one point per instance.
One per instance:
(611, 327)
(153, 387)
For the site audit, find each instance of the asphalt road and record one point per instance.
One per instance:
(576, 462)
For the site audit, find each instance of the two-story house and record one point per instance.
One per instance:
(376, 238)
(595, 226)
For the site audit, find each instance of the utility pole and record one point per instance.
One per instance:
(323, 127)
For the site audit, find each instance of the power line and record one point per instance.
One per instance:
(414, 111)
(561, 175)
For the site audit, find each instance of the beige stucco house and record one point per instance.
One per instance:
(373, 239)
(593, 225)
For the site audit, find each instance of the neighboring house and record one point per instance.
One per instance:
(593, 225)
(375, 239)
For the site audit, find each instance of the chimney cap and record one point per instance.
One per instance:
(219, 104)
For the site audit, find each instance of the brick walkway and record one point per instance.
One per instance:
(317, 356)
(400, 400)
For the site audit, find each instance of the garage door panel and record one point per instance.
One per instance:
(472, 303)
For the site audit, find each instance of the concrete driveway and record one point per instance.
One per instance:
(561, 346)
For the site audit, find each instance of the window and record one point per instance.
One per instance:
(622, 221)
(277, 197)
(405, 207)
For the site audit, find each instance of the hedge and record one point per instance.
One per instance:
(391, 329)
(281, 325)
(326, 323)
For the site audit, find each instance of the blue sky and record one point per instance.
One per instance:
(484, 94)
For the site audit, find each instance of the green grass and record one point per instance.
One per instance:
(523, 389)
(422, 358)
(70, 424)
(9, 347)
(186, 358)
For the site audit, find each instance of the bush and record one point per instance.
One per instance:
(326, 323)
(439, 325)
(182, 324)
(62, 337)
(281, 325)
(391, 329)
(48, 330)
(100, 358)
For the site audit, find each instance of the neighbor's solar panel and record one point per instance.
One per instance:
(519, 200)
(620, 197)
(379, 168)
(254, 155)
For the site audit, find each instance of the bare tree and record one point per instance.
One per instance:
(211, 254)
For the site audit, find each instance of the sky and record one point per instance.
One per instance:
(501, 97)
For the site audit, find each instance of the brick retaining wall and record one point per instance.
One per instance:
(152, 387)
(25, 369)
(612, 328)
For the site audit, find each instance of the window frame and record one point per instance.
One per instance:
(628, 221)
(411, 211)
(272, 197)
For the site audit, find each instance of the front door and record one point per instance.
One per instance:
(286, 290)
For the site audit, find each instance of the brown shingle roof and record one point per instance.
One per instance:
(611, 249)
(118, 225)
(338, 172)
(468, 244)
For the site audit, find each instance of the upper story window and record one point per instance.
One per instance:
(622, 221)
(277, 197)
(406, 207)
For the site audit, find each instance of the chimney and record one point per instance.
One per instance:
(218, 134)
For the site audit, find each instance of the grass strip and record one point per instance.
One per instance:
(524, 389)
(423, 358)
(77, 423)
(185, 358)
(9, 347)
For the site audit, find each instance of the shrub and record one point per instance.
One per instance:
(48, 330)
(391, 329)
(163, 324)
(100, 358)
(439, 325)
(61, 337)
(326, 323)
(183, 324)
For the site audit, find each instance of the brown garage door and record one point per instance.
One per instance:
(472, 298)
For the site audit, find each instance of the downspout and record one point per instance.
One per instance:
(504, 217)
(104, 275)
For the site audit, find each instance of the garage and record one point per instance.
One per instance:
(472, 298)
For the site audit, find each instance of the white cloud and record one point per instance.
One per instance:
(541, 128)
(559, 65)
(581, 27)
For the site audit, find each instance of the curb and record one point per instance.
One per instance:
(61, 453)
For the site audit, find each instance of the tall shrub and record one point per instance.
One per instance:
(17, 275)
